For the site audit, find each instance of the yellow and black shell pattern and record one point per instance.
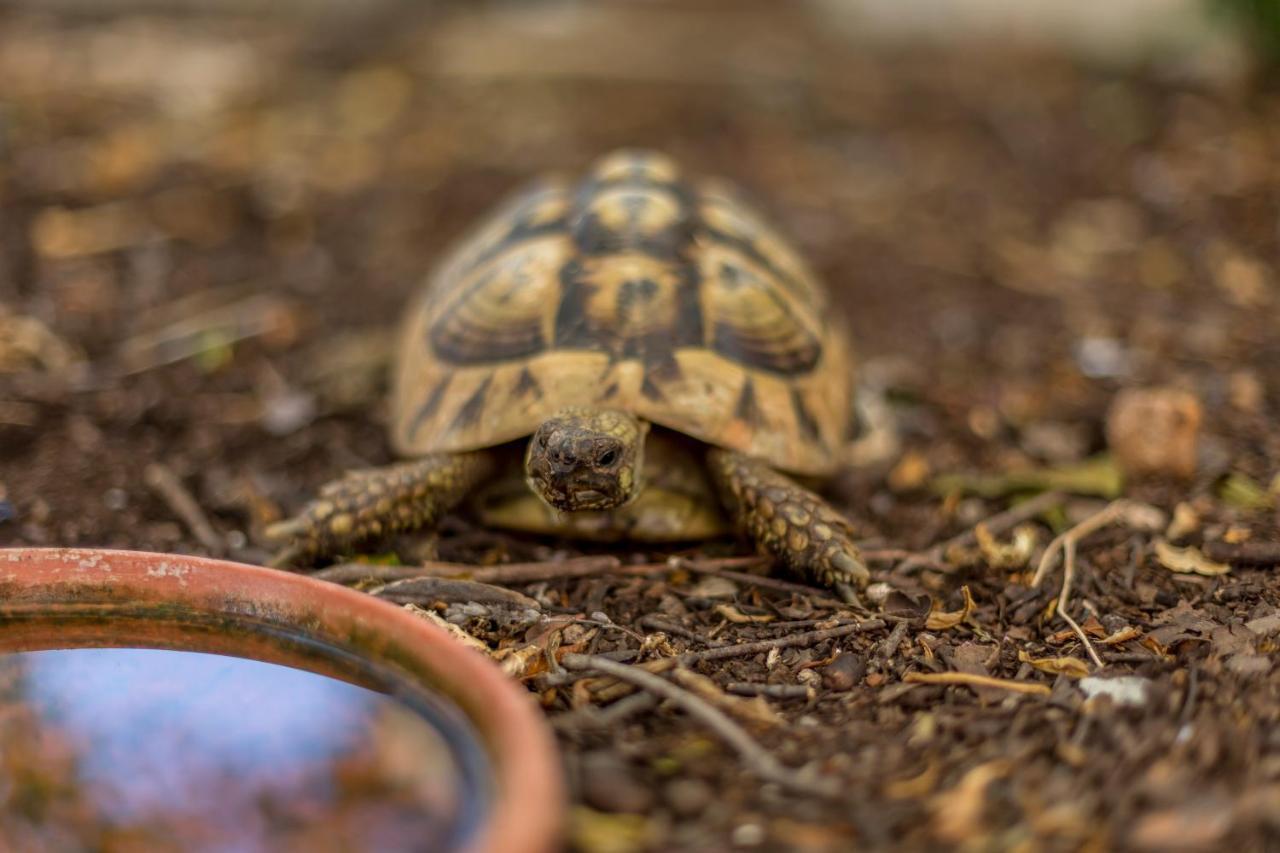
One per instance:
(634, 289)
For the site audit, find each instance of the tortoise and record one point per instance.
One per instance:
(636, 355)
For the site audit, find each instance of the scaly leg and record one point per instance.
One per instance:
(787, 520)
(376, 502)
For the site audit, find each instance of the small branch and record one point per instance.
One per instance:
(657, 623)
(1244, 553)
(580, 567)
(724, 567)
(1088, 646)
(347, 573)
(758, 761)
(973, 680)
(771, 691)
(504, 574)
(792, 641)
(886, 555)
(1068, 538)
(1134, 514)
(167, 485)
(715, 565)
(604, 719)
(887, 649)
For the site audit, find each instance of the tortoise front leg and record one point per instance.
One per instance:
(786, 520)
(376, 502)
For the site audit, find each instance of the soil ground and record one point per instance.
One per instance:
(209, 225)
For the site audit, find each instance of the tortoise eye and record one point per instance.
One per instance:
(608, 457)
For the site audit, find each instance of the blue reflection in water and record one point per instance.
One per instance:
(161, 735)
(163, 724)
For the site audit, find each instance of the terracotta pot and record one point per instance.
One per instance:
(174, 601)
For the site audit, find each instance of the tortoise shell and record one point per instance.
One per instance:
(633, 289)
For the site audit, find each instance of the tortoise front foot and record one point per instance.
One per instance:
(364, 506)
(787, 521)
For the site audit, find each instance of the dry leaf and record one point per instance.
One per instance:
(914, 787)
(1187, 560)
(1202, 826)
(1011, 555)
(610, 833)
(1068, 666)
(1124, 635)
(1151, 644)
(940, 620)
(521, 662)
(1093, 627)
(1185, 522)
(958, 811)
(453, 630)
(736, 616)
(911, 472)
(657, 643)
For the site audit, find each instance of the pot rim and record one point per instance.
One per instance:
(528, 806)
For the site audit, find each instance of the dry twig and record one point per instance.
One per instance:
(757, 759)
(578, 567)
(807, 639)
(771, 691)
(167, 485)
(969, 679)
(1137, 515)
(1244, 553)
(504, 574)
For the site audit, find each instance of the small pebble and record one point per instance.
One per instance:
(748, 835)
(115, 499)
(287, 411)
(1155, 431)
(714, 587)
(844, 672)
(1124, 690)
(688, 797)
(1102, 358)
(608, 784)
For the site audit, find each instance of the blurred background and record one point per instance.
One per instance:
(212, 213)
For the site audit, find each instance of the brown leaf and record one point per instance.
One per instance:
(1068, 666)
(523, 662)
(1093, 627)
(1124, 635)
(913, 787)
(940, 620)
(1187, 560)
(737, 617)
(611, 833)
(1197, 827)
(958, 811)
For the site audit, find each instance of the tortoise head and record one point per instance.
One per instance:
(584, 459)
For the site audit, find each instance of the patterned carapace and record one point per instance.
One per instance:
(634, 289)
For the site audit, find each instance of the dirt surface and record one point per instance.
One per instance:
(208, 226)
